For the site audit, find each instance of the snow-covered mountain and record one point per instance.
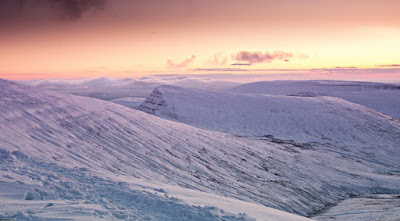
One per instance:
(326, 120)
(382, 97)
(113, 88)
(70, 156)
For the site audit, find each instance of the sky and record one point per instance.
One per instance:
(290, 39)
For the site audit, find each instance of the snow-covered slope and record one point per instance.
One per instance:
(131, 102)
(37, 190)
(382, 97)
(96, 158)
(371, 207)
(325, 120)
(65, 156)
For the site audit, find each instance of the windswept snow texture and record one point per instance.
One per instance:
(44, 191)
(64, 151)
(373, 207)
(382, 97)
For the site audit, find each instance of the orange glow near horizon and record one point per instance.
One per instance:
(114, 43)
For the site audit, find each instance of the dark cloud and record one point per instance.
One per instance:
(75, 8)
(29, 10)
(183, 64)
(259, 57)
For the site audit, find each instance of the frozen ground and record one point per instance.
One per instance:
(63, 153)
(382, 97)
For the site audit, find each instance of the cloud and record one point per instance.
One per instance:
(322, 71)
(351, 67)
(183, 64)
(27, 10)
(241, 64)
(259, 57)
(74, 9)
(390, 65)
(221, 69)
(354, 70)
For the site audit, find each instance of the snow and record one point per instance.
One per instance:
(131, 102)
(370, 207)
(114, 88)
(56, 192)
(203, 199)
(382, 97)
(82, 158)
(326, 120)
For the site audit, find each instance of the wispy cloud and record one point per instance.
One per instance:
(390, 65)
(221, 69)
(241, 64)
(259, 57)
(218, 60)
(355, 70)
(335, 70)
(247, 69)
(183, 64)
(351, 67)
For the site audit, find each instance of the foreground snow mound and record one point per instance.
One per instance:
(75, 150)
(33, 190)
(325, 120)
(382, 97)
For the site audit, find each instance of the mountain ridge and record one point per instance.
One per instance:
(383, 97)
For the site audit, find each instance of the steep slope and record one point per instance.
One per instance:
(37, 190)
(382, 97)
(372, 207)
(80, 150)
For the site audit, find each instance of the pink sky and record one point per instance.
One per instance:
(122, 38)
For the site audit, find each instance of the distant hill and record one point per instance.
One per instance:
(382, 97)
